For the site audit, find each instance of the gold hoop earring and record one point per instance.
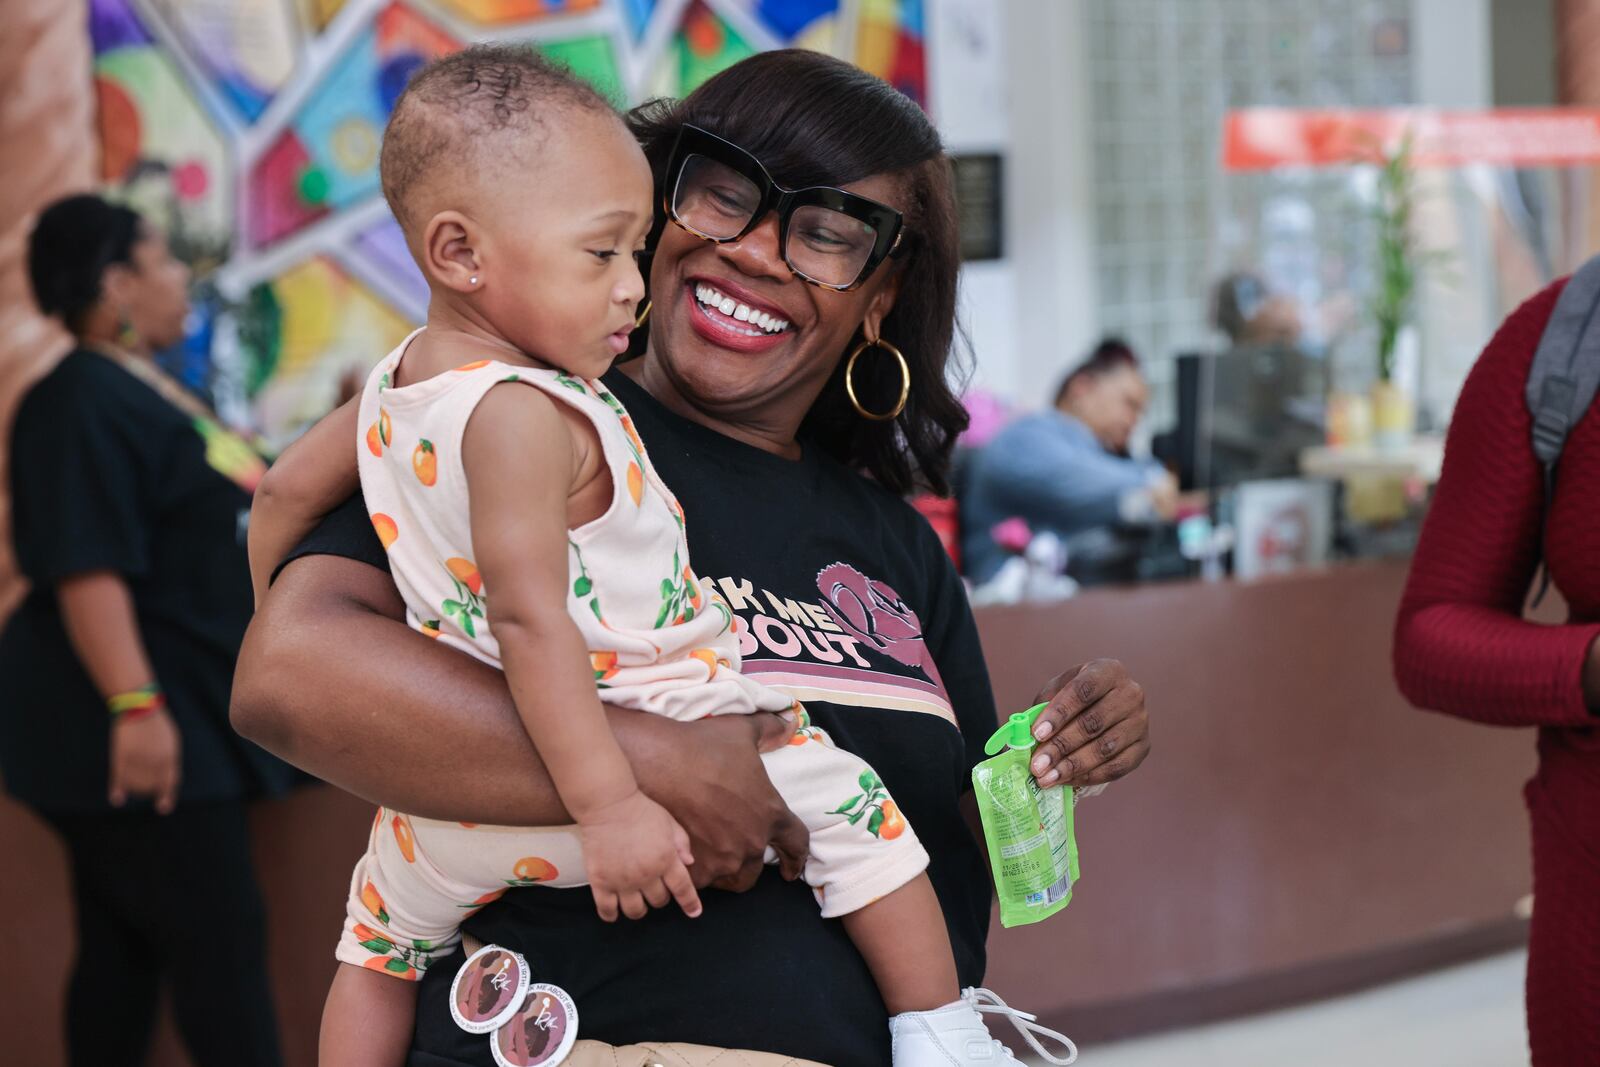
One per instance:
(850, 385)
(643, 315)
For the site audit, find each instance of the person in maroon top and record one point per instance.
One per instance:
(1462, 647)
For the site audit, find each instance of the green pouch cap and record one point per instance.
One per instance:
(1015, 732)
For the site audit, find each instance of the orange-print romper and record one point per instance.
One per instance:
(660, 640)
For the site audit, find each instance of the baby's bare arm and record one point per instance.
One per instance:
(519, 460)
(521, 463)
(313, 476)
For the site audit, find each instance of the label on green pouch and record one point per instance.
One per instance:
(1029, 831)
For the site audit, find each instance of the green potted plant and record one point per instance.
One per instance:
(1399, 264)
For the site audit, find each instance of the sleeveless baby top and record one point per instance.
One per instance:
(659, 639)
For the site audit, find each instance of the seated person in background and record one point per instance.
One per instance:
(1269, 390)
(1067, 469)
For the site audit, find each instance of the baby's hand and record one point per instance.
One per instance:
(638, 857)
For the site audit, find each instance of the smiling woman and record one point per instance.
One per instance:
(840, 595)
(849, 158)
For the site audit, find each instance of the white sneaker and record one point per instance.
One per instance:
(954, 1035)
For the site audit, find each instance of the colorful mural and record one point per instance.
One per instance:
(249, 129)
(246, 48)
(326, 159)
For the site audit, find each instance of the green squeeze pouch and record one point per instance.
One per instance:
(1032, 848)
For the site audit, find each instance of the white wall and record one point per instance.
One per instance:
(1051, 225)
(1008, 76)
(1453, 68)
(968, 53)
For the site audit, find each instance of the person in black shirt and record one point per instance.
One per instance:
(129, 505)
(762, 423)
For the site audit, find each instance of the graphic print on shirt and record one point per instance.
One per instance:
(425, 462)
(468, 601)
(637, 467)
(884, 820)
(878, 615)
(230, 456)
(381, 431)
(858, 643)
(406, 961)
(681, 598)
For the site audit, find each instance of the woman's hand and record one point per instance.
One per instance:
(103, 628)
(1096, 728)
(145, 760)
(717, 788)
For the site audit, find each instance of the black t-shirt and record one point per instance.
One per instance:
(849, 602)
(107, 475)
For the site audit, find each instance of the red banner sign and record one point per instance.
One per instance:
(1264, 138)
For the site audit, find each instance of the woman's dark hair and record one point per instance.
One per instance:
(815, 120)
(71, 246)
(1112, 353)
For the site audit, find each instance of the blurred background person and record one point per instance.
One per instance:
(1067, 470)
(1249, 313)
(130, 503)
(1267, 390)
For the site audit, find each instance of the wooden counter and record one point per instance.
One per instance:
(1297, 830)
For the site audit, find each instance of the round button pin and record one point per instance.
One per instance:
(541, 1033)
(488, 989)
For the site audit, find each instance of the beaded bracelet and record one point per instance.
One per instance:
(136, 703)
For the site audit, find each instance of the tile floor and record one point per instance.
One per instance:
(1464, 1016)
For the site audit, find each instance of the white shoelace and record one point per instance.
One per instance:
(985, 1002)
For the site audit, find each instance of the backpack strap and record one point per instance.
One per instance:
(1562, 383)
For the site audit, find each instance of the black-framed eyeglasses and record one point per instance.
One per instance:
(717, 191)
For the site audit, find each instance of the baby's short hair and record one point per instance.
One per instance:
(460, 104)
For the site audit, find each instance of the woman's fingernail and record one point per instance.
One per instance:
(1050, 779)
(788, 716)
(1042, 729)
(1039, 764)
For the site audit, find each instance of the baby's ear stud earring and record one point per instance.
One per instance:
(473, 280)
